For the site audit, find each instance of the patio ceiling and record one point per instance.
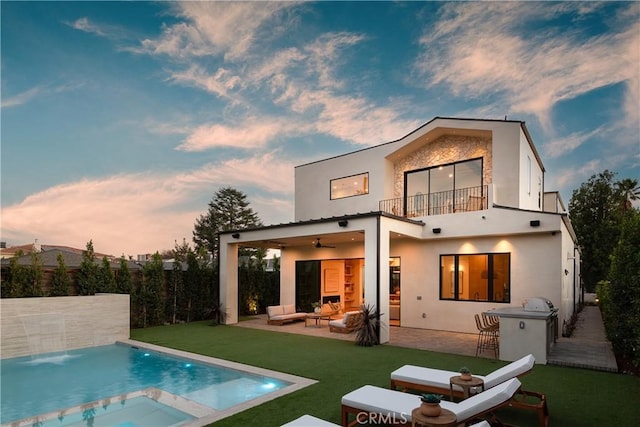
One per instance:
(328, 239)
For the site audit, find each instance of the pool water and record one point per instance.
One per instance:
(47, 383)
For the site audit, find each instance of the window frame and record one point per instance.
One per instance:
(506, 298)
(438, 167)
(365, 178)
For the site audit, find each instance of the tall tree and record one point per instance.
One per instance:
(150, 295)
(596, 216)
(124, 284)
(629, 191)
(12, 282)
(61, 280)
(175, 291)
(32, 285)
(228, 210)
(623, 311)
(106, 280)
(87, 277)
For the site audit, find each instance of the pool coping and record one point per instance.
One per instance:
(203, 414)
(297, 382)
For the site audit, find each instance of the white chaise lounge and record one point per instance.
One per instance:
(428, 380)
(397, 406)
(309, 421)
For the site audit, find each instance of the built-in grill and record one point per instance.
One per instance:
(529, 328)
(539, 304)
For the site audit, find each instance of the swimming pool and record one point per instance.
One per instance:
(101, 381)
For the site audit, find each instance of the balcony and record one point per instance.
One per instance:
(444, 202)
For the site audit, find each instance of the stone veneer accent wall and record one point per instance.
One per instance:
(51, 324)
(444, 150)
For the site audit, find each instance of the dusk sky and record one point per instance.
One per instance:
(120, 120)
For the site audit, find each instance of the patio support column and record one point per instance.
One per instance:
(383, 274)
(376, 272)
(229, 279)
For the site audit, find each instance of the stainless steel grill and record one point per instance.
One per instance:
(539, 304)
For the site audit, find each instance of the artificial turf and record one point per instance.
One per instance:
(576, 397)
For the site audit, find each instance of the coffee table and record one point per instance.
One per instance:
(446, 418)
(317, 317)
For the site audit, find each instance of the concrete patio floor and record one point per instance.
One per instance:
(587, 348)
(423, 339)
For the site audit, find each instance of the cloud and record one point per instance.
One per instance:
(83, 24)
(21, 98)
(214, 28)
(145, 212)
(479, 50)
(221, 83)
(569, 143)
(253, 133)
(36, 92)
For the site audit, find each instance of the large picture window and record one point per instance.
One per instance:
(445, 189)
(477, 277)
(348, 186)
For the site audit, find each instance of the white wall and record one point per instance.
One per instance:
(51, 324)
(534, 272)
(312, 192)
(533, 177)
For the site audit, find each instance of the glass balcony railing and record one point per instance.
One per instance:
(443, 202)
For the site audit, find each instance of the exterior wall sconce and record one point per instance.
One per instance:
(436, 230)
(535, 223)
(343, 223)
(236, 235)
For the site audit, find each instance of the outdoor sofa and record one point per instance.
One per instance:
(281, 314)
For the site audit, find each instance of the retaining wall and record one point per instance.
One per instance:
(43, 325)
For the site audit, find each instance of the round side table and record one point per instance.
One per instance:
(466, 385)
(446, 418)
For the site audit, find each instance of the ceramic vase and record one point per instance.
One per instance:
(430, 409)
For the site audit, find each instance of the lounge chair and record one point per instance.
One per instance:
(428, 380)
(397, 406)
(309, 421)
(347, 324)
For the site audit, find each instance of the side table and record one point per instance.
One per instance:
(466, 385)
(446, 418)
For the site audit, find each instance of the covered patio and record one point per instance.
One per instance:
(422, 339)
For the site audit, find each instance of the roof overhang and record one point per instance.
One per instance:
(305, 233)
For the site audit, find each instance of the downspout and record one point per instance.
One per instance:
(573, 285)
(378, 273)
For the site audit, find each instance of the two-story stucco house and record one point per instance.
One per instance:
(447, 222)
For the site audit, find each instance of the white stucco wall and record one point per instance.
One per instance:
(312, 192)
(534, 272)
(53, 324)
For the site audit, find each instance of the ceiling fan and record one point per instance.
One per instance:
(317, 244)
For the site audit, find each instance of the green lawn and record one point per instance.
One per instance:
(576, 397)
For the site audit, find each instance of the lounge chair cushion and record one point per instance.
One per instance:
(399, 405)
(394, 404)
(435, 378)
(275, 310)
(483, 402)
(289, 308)
(309, 421)
(438, 378)
(512, 370)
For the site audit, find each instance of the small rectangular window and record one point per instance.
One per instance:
(354, 185)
